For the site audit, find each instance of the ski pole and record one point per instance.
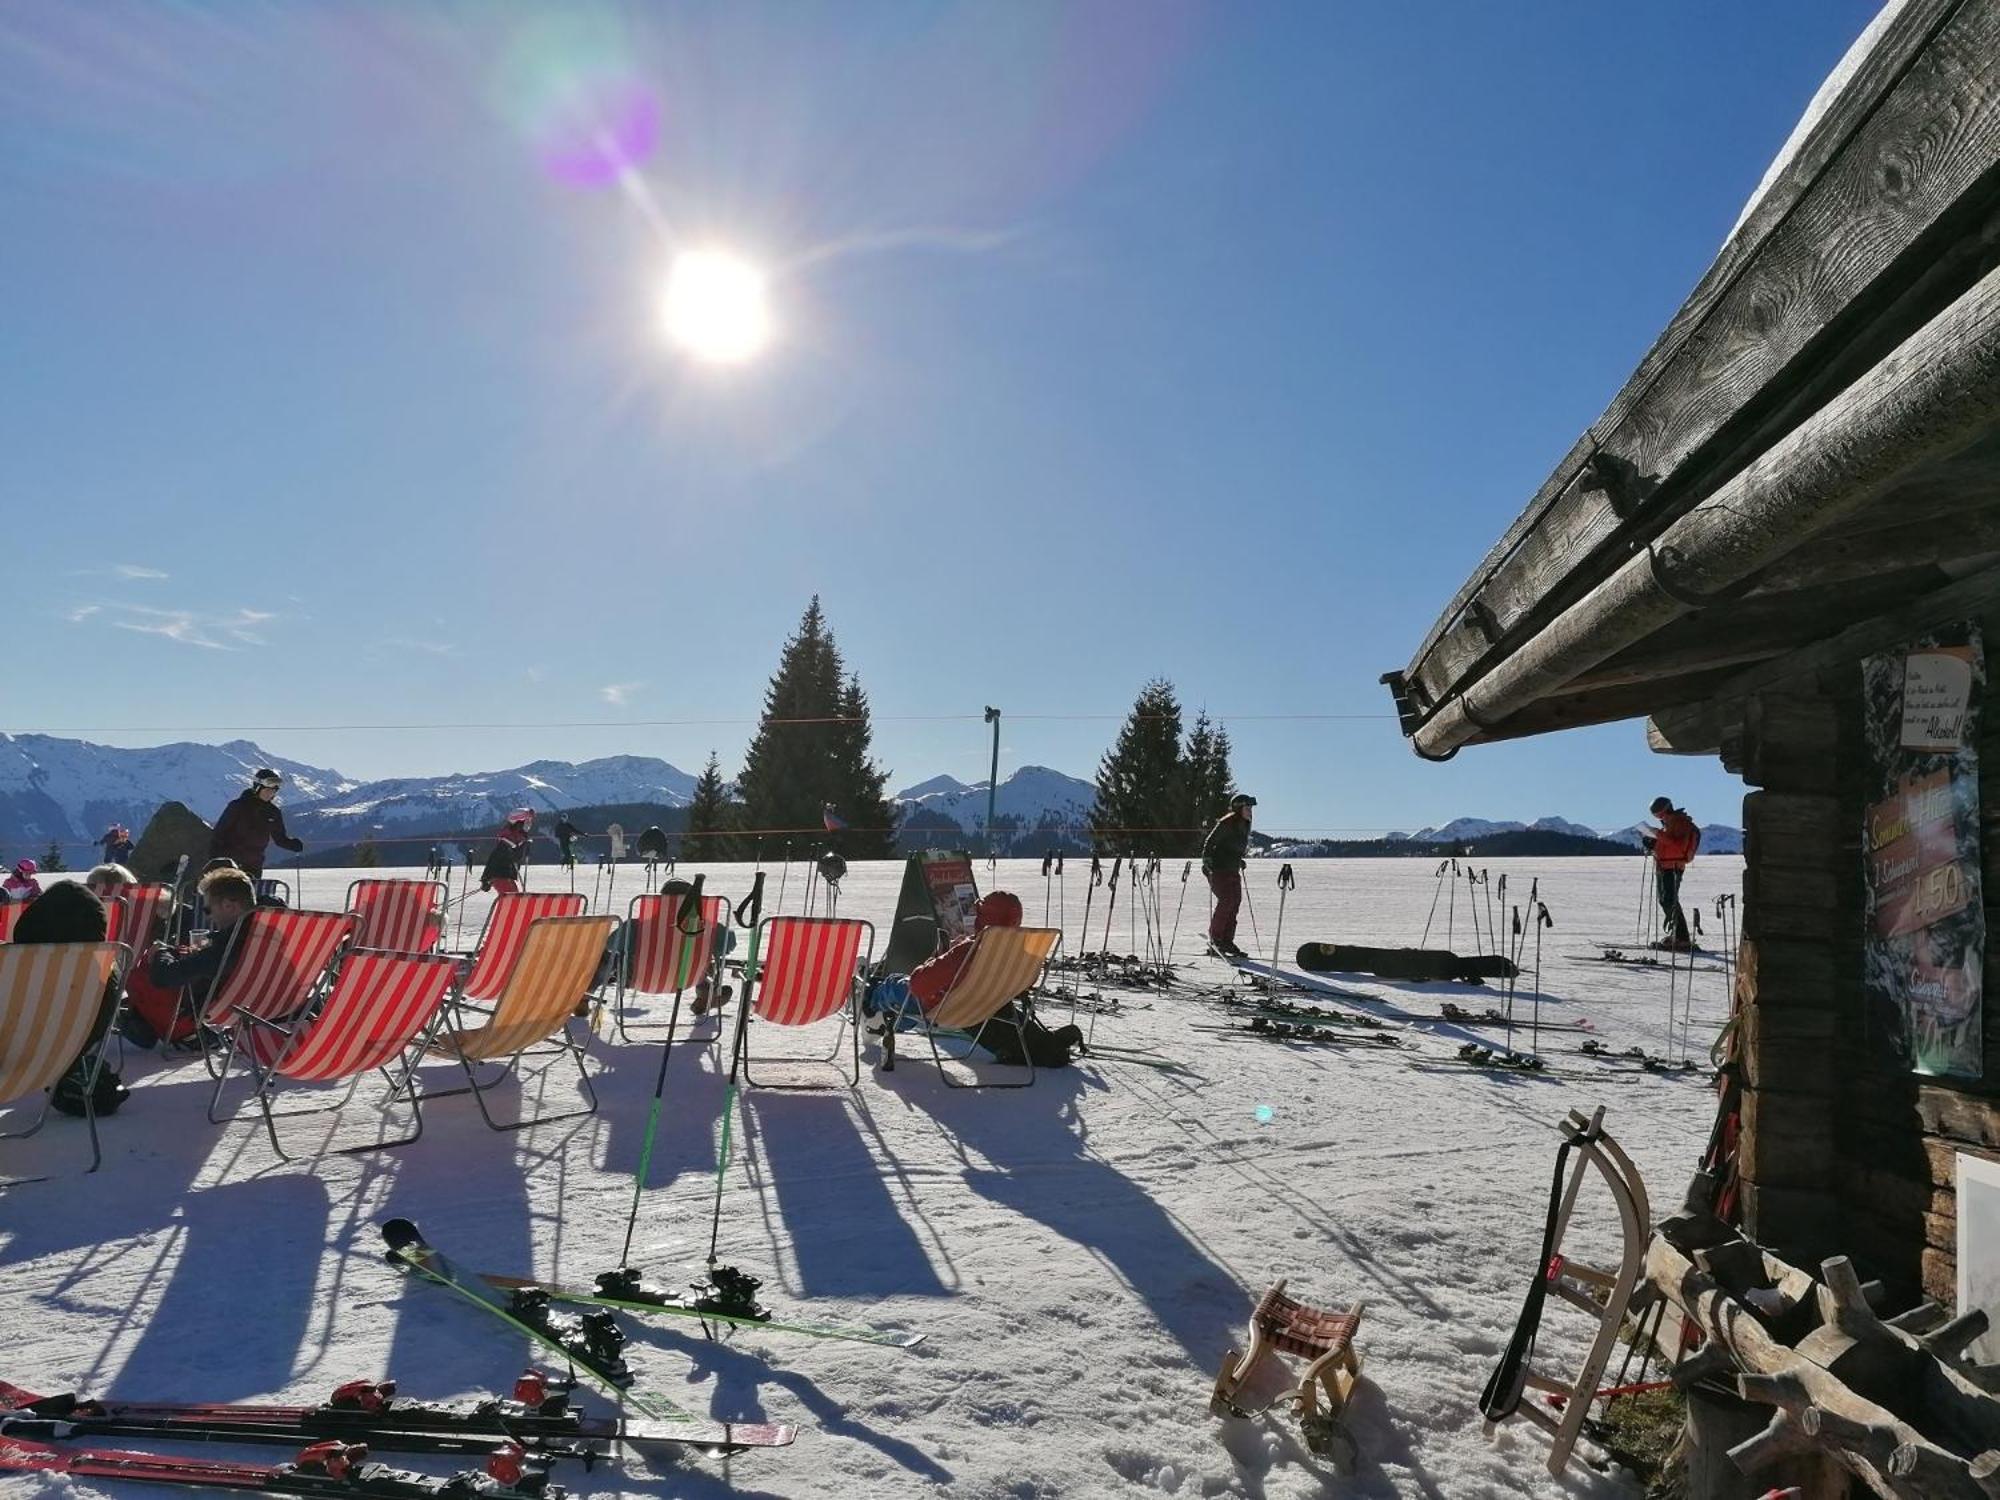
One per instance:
(688, 925)
(1110, 907)
(754, 903)
(1451, 908)
(1285, 883)
(611, 887)
(1486, 879)
(464, 880)
(1511, 978)
(1062, 895)
(1472, 907)
(1542, 919)
(784, 875)
(1437, 891)
(1250, 909)
(1048, 884)
(1174, 941)
(1089, 893)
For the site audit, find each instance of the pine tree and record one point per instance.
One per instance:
(52, 861)
(366, 855)
(1141, 784)
(811, 751)
(709, 816)
(1208, 778)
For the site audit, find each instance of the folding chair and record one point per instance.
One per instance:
(273, 968)
(558, 959)
(132, 918)
(10, 913)
(492, 962)
(49, 999)
(398, 916)
(383, 1006)
(1004, 962)
(660, 959)
(803, 970)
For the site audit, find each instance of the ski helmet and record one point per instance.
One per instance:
(1242, 799)
(522, 816)
(266, 777)
(832, 868)
(25, 869)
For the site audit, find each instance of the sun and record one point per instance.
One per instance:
(717, 306)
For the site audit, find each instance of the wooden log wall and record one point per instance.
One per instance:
(1843, 1152)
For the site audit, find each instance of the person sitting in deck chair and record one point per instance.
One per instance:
(70, 913)
(893, 996)
(228, 896)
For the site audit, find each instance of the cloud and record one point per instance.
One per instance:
(618, 693)
(133, 570)
(230, 630)
(430, 648)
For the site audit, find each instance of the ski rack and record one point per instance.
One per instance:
(1320, 1395)
(1606, 1295)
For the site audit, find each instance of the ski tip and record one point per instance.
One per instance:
(401, 1234)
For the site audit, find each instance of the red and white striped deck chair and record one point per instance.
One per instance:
(1005, 962)
(135, 915)
(382, 1009)
(274, 968)
(49, 999)
(398, 916)
(660, 959)
(806, 969)
(557, 964)
(10, 913)
(506, 930)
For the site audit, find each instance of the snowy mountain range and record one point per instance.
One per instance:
(1716, 838)
(480, 799)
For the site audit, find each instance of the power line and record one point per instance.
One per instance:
(655, 723)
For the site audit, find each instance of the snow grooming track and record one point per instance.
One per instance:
(1078, 1254)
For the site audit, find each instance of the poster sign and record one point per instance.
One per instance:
(1926, 931)
(953, 893)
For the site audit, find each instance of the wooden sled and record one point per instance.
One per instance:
(1319, 1396)
(1605, 1295)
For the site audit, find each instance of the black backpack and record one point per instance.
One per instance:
(1046, 1048)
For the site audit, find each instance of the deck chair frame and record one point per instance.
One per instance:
(366, 937)
(503, 923)
(88, 967)
(849, 1012)
(560, 1039)
(215, 1027)
(285, 1038)
(714, 918)
(988, 964)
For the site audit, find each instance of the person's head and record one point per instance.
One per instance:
(266, 783)
(228, 894)
(1241, 804)
(1661, 806)
(24, 869)
(522, 818)
(64, 913)
(996, 909)
(220, 862)
(832, 868)
(107, 880)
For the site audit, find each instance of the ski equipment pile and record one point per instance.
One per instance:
(628, 1292)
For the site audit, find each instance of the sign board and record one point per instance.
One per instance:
(617, 836)
(1978, 1182)
(1925, 938)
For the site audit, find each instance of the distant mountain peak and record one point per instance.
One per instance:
(932, 787)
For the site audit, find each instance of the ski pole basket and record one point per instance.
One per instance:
(1319, 1396)
(1603, 1294)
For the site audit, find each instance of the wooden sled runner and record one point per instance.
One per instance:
(1604, 1294)
(1282, 1324)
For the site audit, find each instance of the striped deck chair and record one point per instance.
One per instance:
(1004, 962)
(801, 971)
(10, 913)
(274, 968)
(660, 959)
(492, 962)
(398, 916)
(134, 917)
(382, 1009)
(49, 998)
(552, 977)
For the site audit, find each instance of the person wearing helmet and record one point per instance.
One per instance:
(567, 833)
(1672, 845)
(117, 844)
(1222, 855)
(510, 853)
(20, 884)
(250, 824)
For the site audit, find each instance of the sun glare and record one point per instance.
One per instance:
(716, 307)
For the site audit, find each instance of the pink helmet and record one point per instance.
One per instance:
(25, 869)
(521, 815)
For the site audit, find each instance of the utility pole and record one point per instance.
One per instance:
(992, 782)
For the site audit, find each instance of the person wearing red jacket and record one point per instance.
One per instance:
(510, 853)
(1673, 845)
(931, 980)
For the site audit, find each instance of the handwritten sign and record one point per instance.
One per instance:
(1937, 690)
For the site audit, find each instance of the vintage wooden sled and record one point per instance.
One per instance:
(1319, 1397)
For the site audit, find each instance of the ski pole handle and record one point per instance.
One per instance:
(753, 903)
(1048, 864)
(1185, 867)
(1286, 880)
(688, 918)
(1542, 915)
(1517, 921)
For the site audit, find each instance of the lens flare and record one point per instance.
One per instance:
(572, 86)
(1265, 1114)
(717, 306)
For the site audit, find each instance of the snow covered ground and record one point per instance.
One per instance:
(1080, 1254)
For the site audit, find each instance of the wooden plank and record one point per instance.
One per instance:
(1959, 1116)
(1939, 1275)
(1894, 544)
(1909, 160)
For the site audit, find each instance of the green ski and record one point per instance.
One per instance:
(644, 1297)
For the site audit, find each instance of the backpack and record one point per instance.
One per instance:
(1046, 1048)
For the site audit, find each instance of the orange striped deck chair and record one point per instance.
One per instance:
(382, 1009)
(806, 969)
(49, 999)
(398, 916)
(506, 930)
(274, 968)
(660, 959)
(550, 980)
(1004, 962)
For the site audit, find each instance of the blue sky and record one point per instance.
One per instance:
(1116, 339)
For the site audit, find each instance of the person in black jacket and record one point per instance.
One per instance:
(1222, 855)
(510, 853)
(251, 823)
(228, 896)
(567, 833)
(71, 913)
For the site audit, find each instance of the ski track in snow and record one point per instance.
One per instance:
(1081, 1254)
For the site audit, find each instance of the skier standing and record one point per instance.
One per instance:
(117, 844)
(1673, 845)
(510, 853)
(567, 833)
(21, 885)
(250, 824)
(1222, 855)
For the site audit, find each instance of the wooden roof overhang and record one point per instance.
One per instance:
(1813, 442)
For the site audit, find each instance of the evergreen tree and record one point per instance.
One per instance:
(1209, 779)
(1141, 783)
(708, 816)
(811, 751)
(52, 861)
(366, 855)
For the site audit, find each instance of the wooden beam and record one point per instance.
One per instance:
(1856, 203)
(1869, 555)
(1604, 705)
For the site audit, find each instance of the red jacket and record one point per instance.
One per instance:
(932, 979)
(1676, 842)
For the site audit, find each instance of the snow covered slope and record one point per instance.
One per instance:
(52, 788)
(477, 799)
